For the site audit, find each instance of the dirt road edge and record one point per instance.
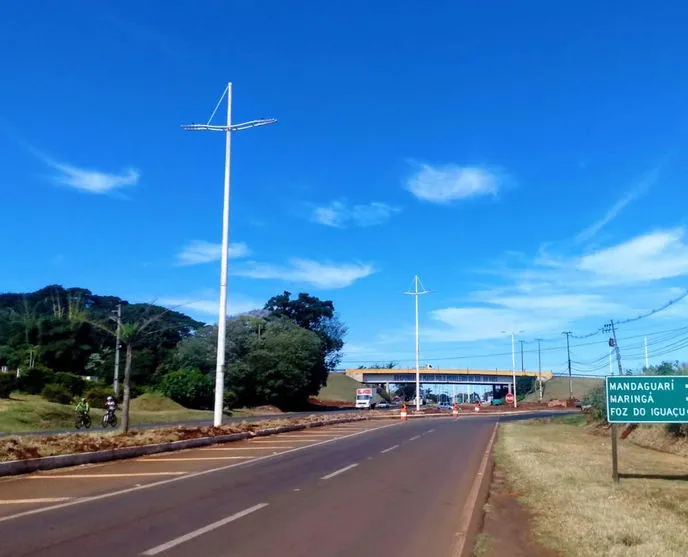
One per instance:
(17, 467)
(472, 514)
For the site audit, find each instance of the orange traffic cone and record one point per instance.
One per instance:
(455, 410)
(403, 412)
(477, 407)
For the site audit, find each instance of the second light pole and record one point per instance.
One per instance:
(222, 310)
(513, 362)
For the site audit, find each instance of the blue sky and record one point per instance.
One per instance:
(527, 160)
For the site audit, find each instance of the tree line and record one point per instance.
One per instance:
(279, 355)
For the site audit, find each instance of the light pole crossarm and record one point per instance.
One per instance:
(231, 128)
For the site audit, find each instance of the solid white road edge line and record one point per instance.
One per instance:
(340, 471)
(209, 528)
(185, 477)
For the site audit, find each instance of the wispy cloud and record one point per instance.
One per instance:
(324, 275)
(444, 184)
(209, 306)
(340, 215)
(88, 180)
(551, 292)
(199, 251)
(654, 256)
(615, 210)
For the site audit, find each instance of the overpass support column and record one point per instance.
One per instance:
(494, 391)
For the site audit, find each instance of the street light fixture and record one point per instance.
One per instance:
(222, 310)
(513, 360)
(418, 290)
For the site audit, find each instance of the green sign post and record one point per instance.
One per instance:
(647, 399)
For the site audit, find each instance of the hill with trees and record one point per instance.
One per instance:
(56, 336)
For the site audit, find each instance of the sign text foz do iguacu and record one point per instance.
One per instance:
(647, 399)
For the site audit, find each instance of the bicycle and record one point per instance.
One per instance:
(82, 419)
(110, 419)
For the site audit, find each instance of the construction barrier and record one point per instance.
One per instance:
(455, 410)
(403, 413)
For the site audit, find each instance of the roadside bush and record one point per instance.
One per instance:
(231, 399)
(73, 383)
(597, 399)
(32, 381)
(189, 387)
(96, 394)
(53, 392)
(677, 430)
(8, 383)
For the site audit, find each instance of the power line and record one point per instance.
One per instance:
(668, 332)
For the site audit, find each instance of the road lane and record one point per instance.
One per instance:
(407, 503)
(138, 521)
(430, 465)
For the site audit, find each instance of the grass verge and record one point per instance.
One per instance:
(563, 475)
(26, 413)
(19, 448)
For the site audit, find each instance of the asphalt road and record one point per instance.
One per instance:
(364, 488)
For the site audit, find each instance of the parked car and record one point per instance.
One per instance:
(444, 406)
(383, 404)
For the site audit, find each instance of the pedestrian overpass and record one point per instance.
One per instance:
(442, 376)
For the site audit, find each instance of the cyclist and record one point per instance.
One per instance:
(82, 407)
(110, 405)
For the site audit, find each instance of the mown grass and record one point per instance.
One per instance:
(558, 388)
(563, 474)
(339, 387)
(25, 413)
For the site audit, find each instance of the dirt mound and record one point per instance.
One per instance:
(154, 402)
(19, 448)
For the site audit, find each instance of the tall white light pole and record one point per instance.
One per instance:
(418, 290)
(222, 310)
(513, 362)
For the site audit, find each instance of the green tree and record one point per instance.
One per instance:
(277, 367)
(318, 316)
(189, 387)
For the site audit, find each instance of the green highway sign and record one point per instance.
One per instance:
(647, 399)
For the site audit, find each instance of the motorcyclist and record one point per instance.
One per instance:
(82, 407)
(110, 405)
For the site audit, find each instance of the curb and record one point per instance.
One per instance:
(16, 467)
(473, 513)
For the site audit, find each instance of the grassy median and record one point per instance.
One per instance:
(562, 473)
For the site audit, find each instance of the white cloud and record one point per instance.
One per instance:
(210, 306)
(93, 181)
(531, 313)
(307, 271)
(639, 189)
(199, 251)
(339, 215)
(443, 184)
(657, 255)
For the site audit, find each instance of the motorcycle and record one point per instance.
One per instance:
(110, 419)
(82, 420)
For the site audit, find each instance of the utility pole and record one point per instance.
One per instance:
(568, 352)
(115, 385)
(615, 452)
(513, 363)
(522, 342)
(539, 340)
(647, 361)
(416, 293)
(222, 310)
